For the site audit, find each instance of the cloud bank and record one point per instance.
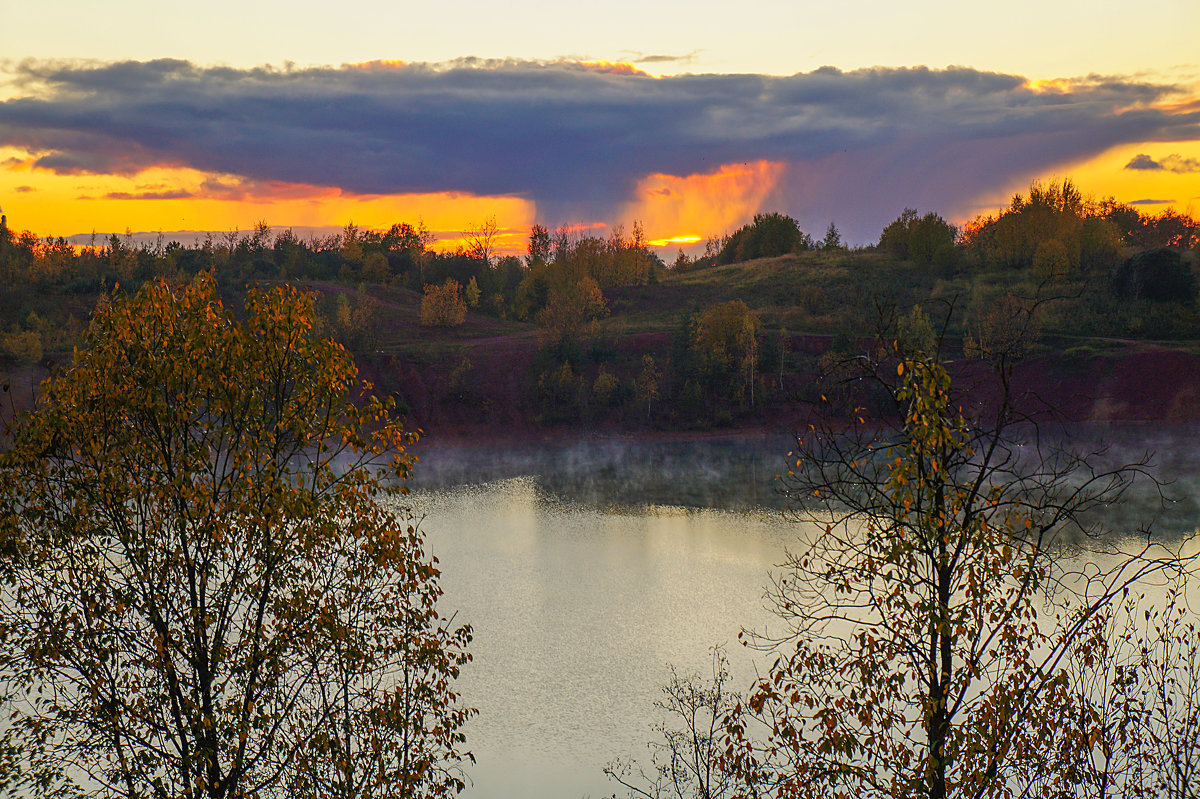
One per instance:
(576, 139)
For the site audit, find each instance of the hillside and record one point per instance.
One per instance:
(489, 377)
(599, 336)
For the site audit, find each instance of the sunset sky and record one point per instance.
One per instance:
(687, 116)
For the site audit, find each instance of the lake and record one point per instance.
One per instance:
(586, 568)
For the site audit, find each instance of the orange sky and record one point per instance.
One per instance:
(64, 205)
(1106, 176)
(675, 210)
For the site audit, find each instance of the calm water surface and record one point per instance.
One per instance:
(585, 569)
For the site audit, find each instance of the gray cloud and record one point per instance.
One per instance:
(662, 58)
(1181, 165)
(149, 195)
(1148, 201)
(1141, 161)
(24, 189)
(859, 145)
(1172, 163)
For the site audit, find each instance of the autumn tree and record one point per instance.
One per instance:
(573, 302)
(352, 241)
(442, 305)
(726, 338)
(471, 293)
(768, 235)
(572, 307)
(355, 322)
(927, 620)
(539, 247)
(212, 590)
(647, 383)
(1168, 229)
(1056, 211)
(918, 238)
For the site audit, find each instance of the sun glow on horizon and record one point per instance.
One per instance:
(710, 202)
(675, 240)
(674, 210)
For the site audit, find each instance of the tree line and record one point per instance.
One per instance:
(1116, 271)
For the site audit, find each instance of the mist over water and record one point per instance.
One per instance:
(721, 473)
(740, 472)
(586, 567)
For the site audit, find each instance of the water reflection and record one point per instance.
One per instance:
(576, 613)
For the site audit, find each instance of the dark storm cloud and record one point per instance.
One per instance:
(574, 138)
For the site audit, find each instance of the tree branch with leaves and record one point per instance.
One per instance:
(928, 614)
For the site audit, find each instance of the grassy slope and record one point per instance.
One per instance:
(805, 292)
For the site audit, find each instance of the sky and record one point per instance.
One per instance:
(689, 117)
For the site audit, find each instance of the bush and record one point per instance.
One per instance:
(443, 306)
(918, 238)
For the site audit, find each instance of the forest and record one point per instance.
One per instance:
(599, 331)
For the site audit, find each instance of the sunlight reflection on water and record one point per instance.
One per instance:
(585, 568)
(576, 613)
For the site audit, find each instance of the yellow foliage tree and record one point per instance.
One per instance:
(442, 305)
(918, 660)
(727, 338)
(212, 594)
(573, 302)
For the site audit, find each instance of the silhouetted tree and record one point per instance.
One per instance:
(539, 247)
(833, 238)
(1158, 275)
(769, 235)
